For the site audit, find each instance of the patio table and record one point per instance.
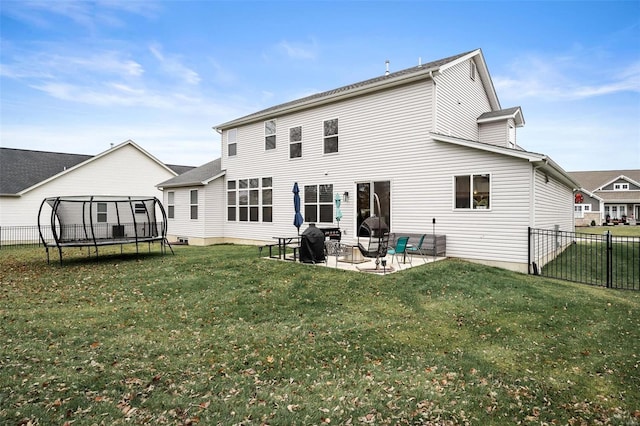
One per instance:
(284, 242)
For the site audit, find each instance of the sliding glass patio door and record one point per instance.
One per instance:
(366, 202)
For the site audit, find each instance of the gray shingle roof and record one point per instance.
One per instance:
(592, 180)
(21, 168)
(499, 113)
(425, 68)
(195, 177)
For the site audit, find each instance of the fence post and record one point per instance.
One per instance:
(609, 259)
(529, 250)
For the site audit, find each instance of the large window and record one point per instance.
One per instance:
(102, 212)
(171, 204)
(270, 134)
(331, 136)
(246, 198)
(318, 203)
(295, 142)
(472, 191)
(194, 203)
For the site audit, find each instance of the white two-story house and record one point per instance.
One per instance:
(432, 141)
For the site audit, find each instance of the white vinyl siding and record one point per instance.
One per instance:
(554, 203)
(460, 102)
(137, 175)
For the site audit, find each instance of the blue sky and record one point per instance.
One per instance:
(77, 76)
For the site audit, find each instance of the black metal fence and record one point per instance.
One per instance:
(11, 236)
(601, 260)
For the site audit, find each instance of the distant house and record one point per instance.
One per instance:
(432, 142)
(607, 196)
(194, 205)
(27, 177)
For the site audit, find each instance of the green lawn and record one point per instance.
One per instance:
(216, 335)
(618, 230)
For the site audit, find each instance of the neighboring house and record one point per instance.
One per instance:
(27, 177)
(611, 196)
(194, 205)
(432, 141)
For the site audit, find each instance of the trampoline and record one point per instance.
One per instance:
(94, 221)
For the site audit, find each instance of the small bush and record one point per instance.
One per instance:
(593, 223)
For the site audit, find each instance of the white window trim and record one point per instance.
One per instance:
(191, 204)
(171, 203)
(337, 135)
(300, 142)
(275, 134)
(471, 208)
(232, 141)
(621, 186)
(319, 203)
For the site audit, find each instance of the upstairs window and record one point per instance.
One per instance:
(331, 136)
(295, 142)
(171, 204)
(472, 192)
(270, 134)
(620, 186)
(194, 204)
(232, 142)
(472, 71)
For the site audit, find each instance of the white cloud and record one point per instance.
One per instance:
(565, 77)
(298, 50)
(87, 14)
(173, 66)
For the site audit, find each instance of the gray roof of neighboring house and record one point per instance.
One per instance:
(434, 65)
(22, 168)
(592, 180)
(195, 177)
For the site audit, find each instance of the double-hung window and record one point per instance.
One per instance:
(318, 203)
(171, 204)
(270, 135)
(295, 142)
(193, 197)
(102, 213)
(330, 128)
(232, 142)
(472, 191)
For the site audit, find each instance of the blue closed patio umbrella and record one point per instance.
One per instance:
(297, 218)
(338, 201)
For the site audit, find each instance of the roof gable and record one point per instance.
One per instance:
(198, 176)
(420, 72)
(596, 179)
(23, 170)
(503, 114)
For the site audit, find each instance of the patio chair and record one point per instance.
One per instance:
(400, 248)
(418, 248)
(334, 248)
